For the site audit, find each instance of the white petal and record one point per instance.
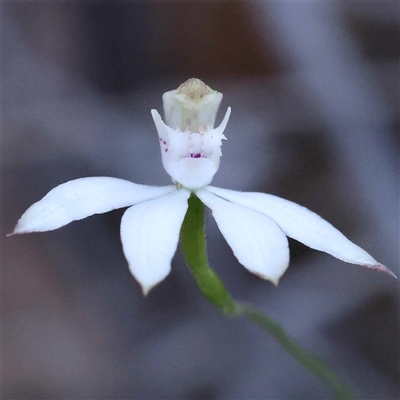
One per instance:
(192, 173)
(81, 198)
(303, 225)
(256, 240)
(150, 233)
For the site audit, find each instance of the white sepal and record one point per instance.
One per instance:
(256, 240)
(190, 158)
(150, 233)
(81, 198)
(303, 225)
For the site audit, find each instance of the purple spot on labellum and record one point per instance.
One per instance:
(164, 142)
(166, 150)
(197, 155)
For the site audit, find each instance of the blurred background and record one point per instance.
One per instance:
(314, 89)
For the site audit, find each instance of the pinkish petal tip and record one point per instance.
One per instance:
(16, 231)
(382, 268)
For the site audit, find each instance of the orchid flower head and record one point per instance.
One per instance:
(255, 225)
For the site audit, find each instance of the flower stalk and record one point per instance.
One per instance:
(193, 244)
(194, 248)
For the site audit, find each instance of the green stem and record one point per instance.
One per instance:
(193, 243)
(194, 248)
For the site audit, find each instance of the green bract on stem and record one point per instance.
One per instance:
(193, 244)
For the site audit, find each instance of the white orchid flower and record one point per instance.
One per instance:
(255, 225)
